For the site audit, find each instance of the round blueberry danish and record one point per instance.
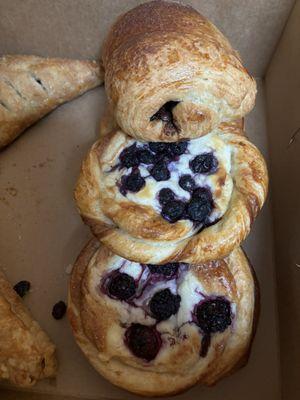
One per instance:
(158, 329)
(154, 202)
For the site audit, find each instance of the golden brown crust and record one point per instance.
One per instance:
(98, 324)
(26, 352)
(138, 233)
(162, 51)
(31, 87)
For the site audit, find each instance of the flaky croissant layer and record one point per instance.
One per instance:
(170, 74)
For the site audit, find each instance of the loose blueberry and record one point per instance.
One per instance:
(178, 148)
(146, 157)
(143, 341)
(121, 286)
(205, 163)
(186, 182)
(59, 309)
(160, 172)
(133, 182)
(167, 270)
(159, 147)
(165, 195)
(22, 288)
(164, 304)
(214, 315)
(173, 211)
(129, 157)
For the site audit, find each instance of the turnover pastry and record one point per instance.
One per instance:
(31, 87)
(157, 202)
(157, 330)
(26, 352)
(170, 74)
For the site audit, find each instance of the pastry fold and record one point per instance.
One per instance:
(170, 74)
(26, 353)
(132, 224)
(186, 353)
(31, 87)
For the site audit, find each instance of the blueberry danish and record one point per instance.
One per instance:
(156, 202)
(158, 329)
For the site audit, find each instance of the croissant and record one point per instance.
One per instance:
(26, 352)
(170, 74)
(157, 330)
(31, 87)
(157, 202)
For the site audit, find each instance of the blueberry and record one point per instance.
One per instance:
(173, 211)
(22, 288)
(202, 193)
(167, 270)
(205, 163)
(178, 148)
(59, 309)
(143, 341)
(160, 171)
(214, 315)
(199, 209)
(164, 304)
(121, 286)
(146, 157)
(129, 157)
(133, 182)
(159, 147)
(165, 195)
(165, 112)
(186, 182)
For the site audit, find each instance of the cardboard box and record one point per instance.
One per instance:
(41, 232)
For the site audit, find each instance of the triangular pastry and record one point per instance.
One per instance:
(26, 352)
(31, 87)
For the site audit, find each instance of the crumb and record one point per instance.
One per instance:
(69, 269)
(12, 191)
(4, 201)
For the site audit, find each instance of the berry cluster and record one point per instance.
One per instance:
(157, 156)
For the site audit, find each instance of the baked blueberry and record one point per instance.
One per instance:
(146, 157)
(178, 148)
(133, 182)
(199, 209)
(214, 315)
(186, 182)
(159, 147)
(129, 157)
(165, 112)
(173, 211)
(164, 304)
(205, 163)
(121, 286)
(144, 341)
(202, 193)
(160, 171)
(168, 270)
(165, 195)
(22, 288)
